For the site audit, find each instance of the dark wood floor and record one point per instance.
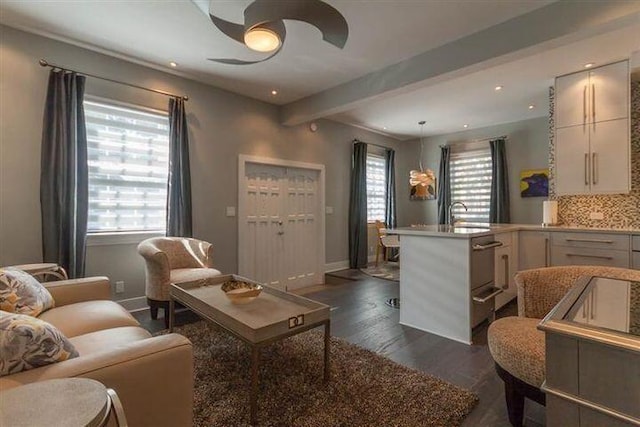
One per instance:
(360, 315)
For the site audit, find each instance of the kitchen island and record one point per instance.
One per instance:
(448, 279)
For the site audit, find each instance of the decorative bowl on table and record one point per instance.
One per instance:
(240, 292)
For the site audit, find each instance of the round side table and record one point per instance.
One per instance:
(69, 402)
(43, 270)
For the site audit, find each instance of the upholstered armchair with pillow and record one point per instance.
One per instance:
(518, 347)
(72, 329)
(173, 260)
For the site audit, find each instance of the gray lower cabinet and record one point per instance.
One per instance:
(534, 250)
(611, 250)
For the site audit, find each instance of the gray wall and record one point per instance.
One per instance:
(222, 125)
(527, 148)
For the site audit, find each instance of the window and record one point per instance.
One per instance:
(376, 188)
(471, 184)
(128, 159)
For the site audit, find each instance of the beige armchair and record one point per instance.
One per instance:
(173, 260)
(114, 350)
(515, 343)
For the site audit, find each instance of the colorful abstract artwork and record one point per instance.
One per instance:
(534, 183)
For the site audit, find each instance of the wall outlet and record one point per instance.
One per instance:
(596, 215)
(231, 211)
(120, 287)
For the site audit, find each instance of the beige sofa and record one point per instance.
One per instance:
(153, 376)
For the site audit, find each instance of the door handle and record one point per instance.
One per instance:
(586, 168)
(593, 103)
(482, 300)
(546, 252)
(584, 105)
(590, 256)
(594, 168)
(505, 259)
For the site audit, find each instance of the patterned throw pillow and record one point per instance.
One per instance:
(21, 293)
(28, 342)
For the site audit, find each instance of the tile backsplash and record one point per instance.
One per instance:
(620, 210)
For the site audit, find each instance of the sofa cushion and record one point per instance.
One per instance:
(518, 347)
(95, 342)
(89, 316)
(28, 342)
(182, 275)
(21, 293)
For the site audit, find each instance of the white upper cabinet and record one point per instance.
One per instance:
(592, 143)
(572, 96)
(609, 92)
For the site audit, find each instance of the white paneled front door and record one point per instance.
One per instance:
(280, 231)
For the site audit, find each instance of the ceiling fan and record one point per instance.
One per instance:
(264, 30)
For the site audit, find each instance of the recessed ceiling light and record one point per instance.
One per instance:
(465, 126)
(589, 65)
(173, 64)
(498, 87)
(531, 107)
(274, 92)
(384, 127)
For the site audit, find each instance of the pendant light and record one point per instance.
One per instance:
(421, 177)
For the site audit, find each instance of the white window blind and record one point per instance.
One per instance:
(376, 188)
(128, 159)
(471, 184)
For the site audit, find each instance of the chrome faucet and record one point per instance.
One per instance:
(452, 219)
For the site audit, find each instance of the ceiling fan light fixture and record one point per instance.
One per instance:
(262, 39)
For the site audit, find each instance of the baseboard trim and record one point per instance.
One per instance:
(336, 266)
(134, 304)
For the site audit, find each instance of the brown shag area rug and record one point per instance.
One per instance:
(365, 389)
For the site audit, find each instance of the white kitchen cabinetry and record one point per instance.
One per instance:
(506, 266)
(534, 250)
(592, 145)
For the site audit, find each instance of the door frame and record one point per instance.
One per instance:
(243, 160)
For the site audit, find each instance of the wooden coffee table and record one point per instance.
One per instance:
(271, 317)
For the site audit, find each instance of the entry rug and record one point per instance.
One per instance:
(387, 270)
(365, 389)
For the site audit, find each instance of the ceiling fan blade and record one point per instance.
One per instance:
(231, 29)
(326, 18)
(231, 61)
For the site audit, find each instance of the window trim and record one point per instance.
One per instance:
(98, 238)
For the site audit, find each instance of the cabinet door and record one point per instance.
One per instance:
(609, 92)
(572, 160)
(534, 250)
(572, 100)
(610, 158)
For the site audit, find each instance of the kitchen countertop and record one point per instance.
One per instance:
(469, 230)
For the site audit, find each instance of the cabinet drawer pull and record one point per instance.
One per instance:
(590, 240)
(591, 256)
(593, 103)
(479, 247)
(594, 168)
(493, 294)
(546, 252)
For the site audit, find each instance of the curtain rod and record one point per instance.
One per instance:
(505, 137)
(45, 63)
(355, 140)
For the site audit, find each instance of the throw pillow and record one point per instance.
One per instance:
(28, 342)
(21, 293)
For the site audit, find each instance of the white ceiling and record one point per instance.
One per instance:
(382, 33)
(472, 99)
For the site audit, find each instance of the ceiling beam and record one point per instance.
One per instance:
(553, 25)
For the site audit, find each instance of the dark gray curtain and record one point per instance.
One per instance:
(358, 207)
(64, 174)
(499, 205)
(444, 184)
(390, 176)
(179, 186)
